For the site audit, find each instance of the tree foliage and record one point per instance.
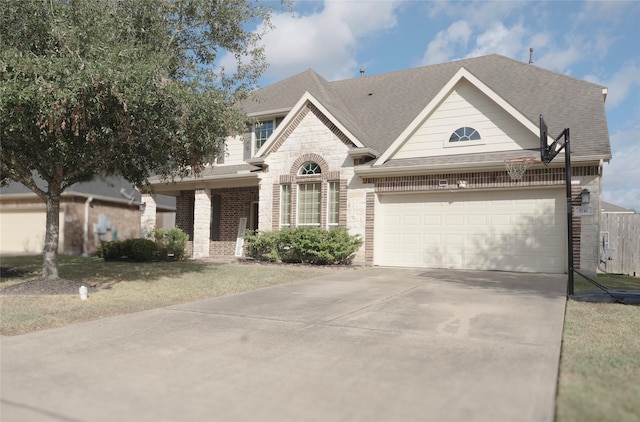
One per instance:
(119, 87)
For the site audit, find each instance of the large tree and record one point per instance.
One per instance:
(119, 87)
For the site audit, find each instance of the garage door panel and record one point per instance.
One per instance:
(477, 241)
(411, 220)
(452, 261)
(475, 261)
(477, 220)
(502, 230)
(454, 220)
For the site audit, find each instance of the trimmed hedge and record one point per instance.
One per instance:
(133, 249)
(311, 245)
(166, 244)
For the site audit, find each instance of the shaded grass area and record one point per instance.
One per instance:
(600, 364)
(610, 281)
(132, 287)
(93, 270)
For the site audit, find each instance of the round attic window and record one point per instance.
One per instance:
(465, 134)
(309, 168)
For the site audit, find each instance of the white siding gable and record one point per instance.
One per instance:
(467, 106)
(234, 149)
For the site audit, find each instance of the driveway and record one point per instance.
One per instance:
(370, 344)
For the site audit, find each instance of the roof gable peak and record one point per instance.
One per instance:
(445, 91)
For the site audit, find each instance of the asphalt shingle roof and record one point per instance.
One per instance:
(106, 187)
(377, 108)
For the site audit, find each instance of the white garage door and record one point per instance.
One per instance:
(22, 232)
(511, 230)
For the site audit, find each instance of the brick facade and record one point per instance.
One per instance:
(236, 203)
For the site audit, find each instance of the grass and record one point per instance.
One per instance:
(130, 287)
(610, 281)
(600, 362)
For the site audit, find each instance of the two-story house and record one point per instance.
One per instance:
(413, 161)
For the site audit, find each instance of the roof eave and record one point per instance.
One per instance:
(363, 152)
(219, 181)
(411, 170)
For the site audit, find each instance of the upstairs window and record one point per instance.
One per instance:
(262, 131)
(465, 134)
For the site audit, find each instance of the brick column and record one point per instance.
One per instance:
(147, 214)
(369, 227)
(201, 223)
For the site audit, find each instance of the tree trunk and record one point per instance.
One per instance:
(52, 237)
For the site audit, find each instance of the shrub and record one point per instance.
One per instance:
(311, 245)
(134, 249)
(263, 245)
(172, 242)
(110, 251)
(141, 249)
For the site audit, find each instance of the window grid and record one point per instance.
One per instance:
(309, 196)
(464, 134)
(262, 132)
(333, 204)
(285, 205)
(309, 168)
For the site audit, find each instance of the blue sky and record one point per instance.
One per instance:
(596, 41)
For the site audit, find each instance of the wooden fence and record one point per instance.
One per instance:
(621, 255)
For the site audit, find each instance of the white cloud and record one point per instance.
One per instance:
(447, 43)
(623, 83)
(621, 175)
(326, 39)
(559, 58)
(499, 39)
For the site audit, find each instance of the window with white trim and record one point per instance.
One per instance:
(309, 198)
(285, 205)
(464, 134)
(333, 203)
(309, 168)
(262, 131)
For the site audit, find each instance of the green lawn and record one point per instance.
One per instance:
(610, 281)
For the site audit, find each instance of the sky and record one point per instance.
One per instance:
(598, 41)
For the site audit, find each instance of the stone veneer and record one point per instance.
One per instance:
(313, 137)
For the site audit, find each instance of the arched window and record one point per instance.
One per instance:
(464, 134)
(309, 168)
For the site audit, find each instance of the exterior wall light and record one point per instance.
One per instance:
(585, 196)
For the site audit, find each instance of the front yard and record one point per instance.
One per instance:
(599, 368)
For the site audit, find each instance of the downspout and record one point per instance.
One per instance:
(85, 233)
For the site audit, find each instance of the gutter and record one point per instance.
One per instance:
(416, 169)
(85, 232)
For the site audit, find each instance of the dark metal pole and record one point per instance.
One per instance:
(567, 164)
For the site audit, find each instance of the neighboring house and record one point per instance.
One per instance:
(104, 209)
(412, 161)
(609, 208)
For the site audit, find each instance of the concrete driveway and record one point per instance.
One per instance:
(372, 344)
